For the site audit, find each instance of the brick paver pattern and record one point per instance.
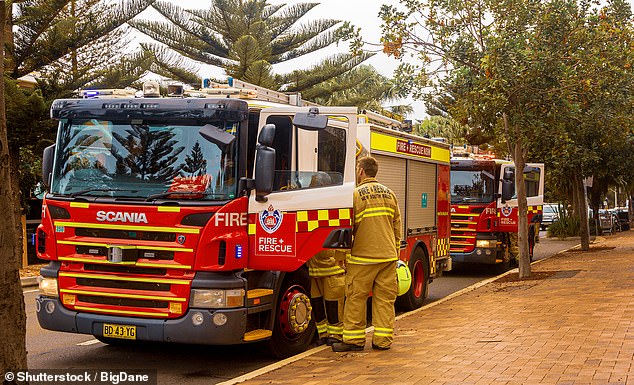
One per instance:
(575, 326)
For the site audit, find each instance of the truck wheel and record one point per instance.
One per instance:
(293, 329)
(417, 293)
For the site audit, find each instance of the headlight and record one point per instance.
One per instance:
(486, 243)
(217, 298)
(48, 286)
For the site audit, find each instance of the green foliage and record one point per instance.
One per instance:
(565, 227)
(362, 86)
(30, 173)
(247, 37)
(560, 71)
(438, 126)
(26, 111)
(61, 32)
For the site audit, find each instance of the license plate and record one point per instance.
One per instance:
(119, 331)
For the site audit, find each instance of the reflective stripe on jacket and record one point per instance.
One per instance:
(377, 224)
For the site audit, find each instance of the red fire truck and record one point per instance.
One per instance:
(484, 214)
(190, 219)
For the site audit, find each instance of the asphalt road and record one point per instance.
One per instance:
(199, 364)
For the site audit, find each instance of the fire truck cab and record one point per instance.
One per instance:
(484, 209)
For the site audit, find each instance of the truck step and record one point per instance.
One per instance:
(256, 297)
(258, 334)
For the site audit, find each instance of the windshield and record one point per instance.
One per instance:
(550, 209)
(142, 161)
(471, 186)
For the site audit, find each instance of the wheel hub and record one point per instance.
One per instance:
(295, 312)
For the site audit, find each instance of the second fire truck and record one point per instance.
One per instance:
(484, 212)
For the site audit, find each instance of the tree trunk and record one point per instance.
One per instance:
(519, 158)
(583, 213)
(12, 317)
(9, 64)
(630, 211)
(14, 155)
(576, 208)
(522, 211)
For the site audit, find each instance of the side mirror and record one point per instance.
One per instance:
(509, 175)
(264, 163)
(217, 136)
(264, 172)
(267, 135)
(508, 189)
(47, 164)
(310, 121)
(338, 239)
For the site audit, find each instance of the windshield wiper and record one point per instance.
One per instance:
(83, 192)
(169, 193)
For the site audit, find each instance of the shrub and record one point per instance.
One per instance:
(564, 227)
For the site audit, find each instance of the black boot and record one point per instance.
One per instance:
(344, 347)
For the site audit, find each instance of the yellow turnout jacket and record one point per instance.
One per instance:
(377, 224)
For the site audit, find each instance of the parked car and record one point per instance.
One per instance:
(622, 217)
(608, 222)
(550, 213)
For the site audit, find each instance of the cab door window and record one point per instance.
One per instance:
(283, 145)
(307, 159)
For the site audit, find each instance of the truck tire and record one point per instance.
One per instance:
(419, 267)
(293, 328)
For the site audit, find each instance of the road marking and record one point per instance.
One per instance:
(87, 343)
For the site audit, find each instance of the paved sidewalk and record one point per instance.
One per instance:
(574, 324)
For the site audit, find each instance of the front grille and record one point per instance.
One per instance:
(115, 284)
(122, 301)
(129, 254)
(125, 234)
(92, 250)
(123, 269)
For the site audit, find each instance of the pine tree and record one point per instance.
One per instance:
(58, 32)
(247, 37)
(74, 44)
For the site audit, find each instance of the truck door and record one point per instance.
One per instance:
(534, 181)
(314, 176)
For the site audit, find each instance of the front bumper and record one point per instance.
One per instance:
(53, 316)
(478, 255)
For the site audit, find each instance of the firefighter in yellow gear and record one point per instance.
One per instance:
(514, 246)
(371, 266)
(327, 286)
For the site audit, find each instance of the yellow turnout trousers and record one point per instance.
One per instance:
(327, 295)
(361, 280)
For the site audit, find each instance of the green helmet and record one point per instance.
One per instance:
(403, 277)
